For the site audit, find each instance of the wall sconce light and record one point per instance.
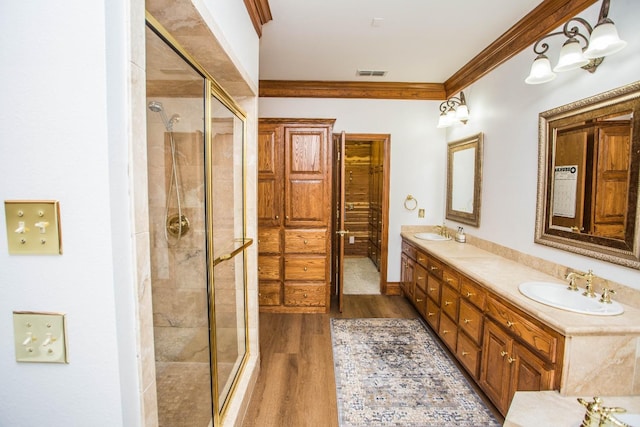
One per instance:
(602, 41)
(452, 110)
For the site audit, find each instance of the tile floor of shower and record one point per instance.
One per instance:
(184, 393)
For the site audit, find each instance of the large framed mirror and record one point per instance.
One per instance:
(464, 180)
(588, 171)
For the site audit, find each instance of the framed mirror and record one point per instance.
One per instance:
(588, 171)
(464, 180)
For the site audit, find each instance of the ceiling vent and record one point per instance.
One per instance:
(371, 73)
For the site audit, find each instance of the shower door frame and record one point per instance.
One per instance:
(213, 90)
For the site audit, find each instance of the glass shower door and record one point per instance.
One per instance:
(227, 207)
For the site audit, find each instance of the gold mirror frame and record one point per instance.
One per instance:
(625, 251)
(471, 217)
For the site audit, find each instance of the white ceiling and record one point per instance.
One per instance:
(417, 41)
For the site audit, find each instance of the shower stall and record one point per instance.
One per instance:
(195, 152)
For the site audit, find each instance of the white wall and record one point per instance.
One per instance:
(506, 110)
(54, 144)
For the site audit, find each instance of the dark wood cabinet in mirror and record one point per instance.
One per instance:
(588, 172)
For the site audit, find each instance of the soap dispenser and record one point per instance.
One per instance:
(460, 236)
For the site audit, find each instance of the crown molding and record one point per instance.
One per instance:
(348, 89)
(259, 12)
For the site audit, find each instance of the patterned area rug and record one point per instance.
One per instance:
(393, 372)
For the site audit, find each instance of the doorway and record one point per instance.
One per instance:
(365, 168)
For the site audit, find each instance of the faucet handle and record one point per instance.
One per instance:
(606, 295)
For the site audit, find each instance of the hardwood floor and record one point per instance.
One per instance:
(296, 386)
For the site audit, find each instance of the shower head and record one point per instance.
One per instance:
(157, 107)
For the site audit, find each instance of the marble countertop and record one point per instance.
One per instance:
(502, 276)
(549, 408)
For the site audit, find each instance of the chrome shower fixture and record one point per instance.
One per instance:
(157, 107)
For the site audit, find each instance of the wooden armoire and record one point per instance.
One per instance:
(294, 215)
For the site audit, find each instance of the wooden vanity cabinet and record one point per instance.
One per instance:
(502, 348)
(508, 366)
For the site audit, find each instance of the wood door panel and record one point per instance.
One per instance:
(269, 202)
(306, 151)
(306, 204)
(269, 267)
(494, 372)
(268, 158)
(270, 293)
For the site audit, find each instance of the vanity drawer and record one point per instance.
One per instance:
(471, 320)
(422, 259)
(305, 295)
(435, 268)
(269, 240)
(451, 278)
(421, 277)
(433, 289)
(420, 301)
(432, 315)
(469, 355)
(305, 267)
(526, 328)
(448, 331)
(305, 241)
(473, 293)
(449, 302)
(270, 293)
(409, 250)
(269, 267)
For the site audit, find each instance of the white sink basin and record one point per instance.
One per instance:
(430, 236)
(557, 295)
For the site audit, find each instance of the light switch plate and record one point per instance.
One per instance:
(33, 227)
(40, 337)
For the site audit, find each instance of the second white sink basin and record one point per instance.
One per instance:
(430, 236)
(557, 295)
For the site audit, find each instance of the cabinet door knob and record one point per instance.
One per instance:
(277, 216)
(447, 303)
(445, 332)
(304, 295)
(511, 359)
(503, 353)
(431, 314)
(510, 323)
(467, 321)
(419, 300)
(305, 269)
(465, 353)
(306, 241)
(470, 294)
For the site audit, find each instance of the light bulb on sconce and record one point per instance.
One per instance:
(601, 41)
(453, 110)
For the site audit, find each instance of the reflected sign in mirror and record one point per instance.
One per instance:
(588, 171)
(464, 180)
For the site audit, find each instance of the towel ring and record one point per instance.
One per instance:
(410, 203)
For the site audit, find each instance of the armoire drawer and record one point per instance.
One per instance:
(269, 267)
(305, 241)
(305, 294)
(305, 268)
(269, 240)
(270, 293)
